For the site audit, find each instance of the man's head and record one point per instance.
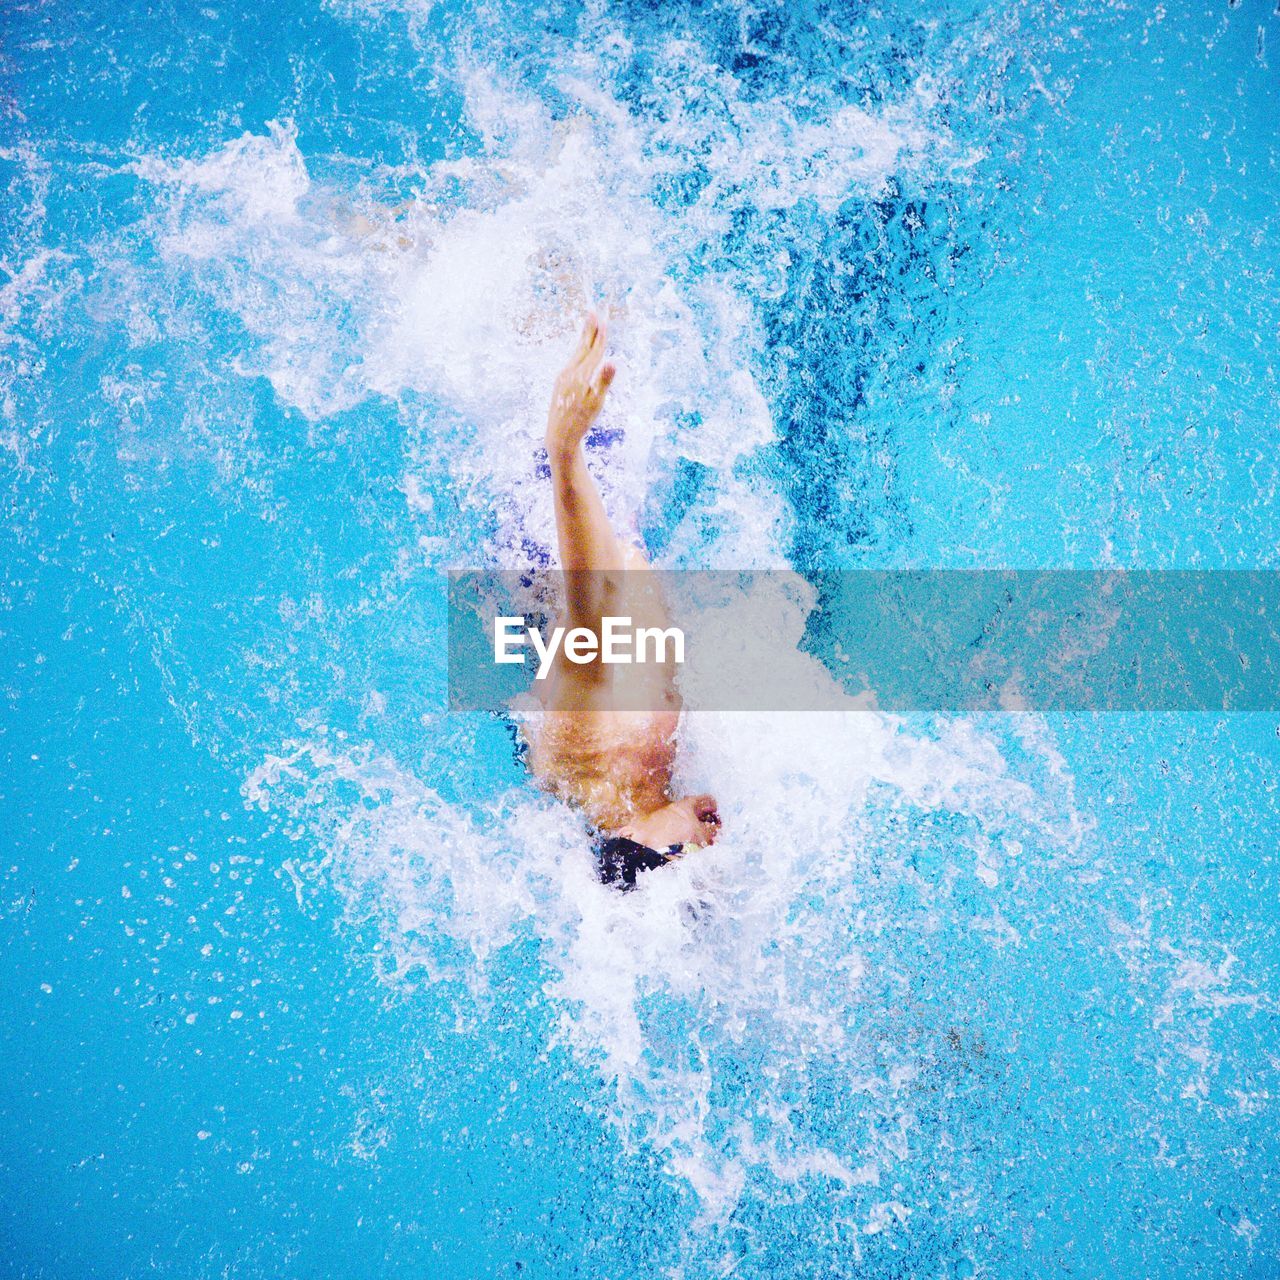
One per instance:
(689, 820)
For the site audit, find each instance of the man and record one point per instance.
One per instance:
(606, 741)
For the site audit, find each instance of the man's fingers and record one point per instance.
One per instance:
(604, 376)
(595, 350)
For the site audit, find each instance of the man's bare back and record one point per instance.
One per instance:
(606, 742)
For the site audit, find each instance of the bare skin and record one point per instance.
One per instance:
(607, 743)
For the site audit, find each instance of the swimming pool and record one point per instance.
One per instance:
(302, 976)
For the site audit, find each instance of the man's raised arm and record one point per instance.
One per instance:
(590, 553)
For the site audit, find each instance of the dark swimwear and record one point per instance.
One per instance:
(619, 860)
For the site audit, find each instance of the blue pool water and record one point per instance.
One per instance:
(301, 976)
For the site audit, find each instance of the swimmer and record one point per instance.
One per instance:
(606, 742)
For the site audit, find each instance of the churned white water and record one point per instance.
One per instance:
(746, 963)
(749, 1011)
(282, 295)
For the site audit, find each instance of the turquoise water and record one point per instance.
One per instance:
(301, 976)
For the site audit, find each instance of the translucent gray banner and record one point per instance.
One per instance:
(954, 642)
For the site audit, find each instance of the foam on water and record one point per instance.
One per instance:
(760, 1015)
(473, 307)
(712, 999)
(732, 988)
(725, 992)
(469, 293)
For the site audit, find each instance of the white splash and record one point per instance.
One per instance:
(742, 964)
(464, 300)
(458, 308)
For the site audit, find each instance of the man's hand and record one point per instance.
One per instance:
(579, 391)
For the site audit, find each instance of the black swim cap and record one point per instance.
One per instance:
(619, 860)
